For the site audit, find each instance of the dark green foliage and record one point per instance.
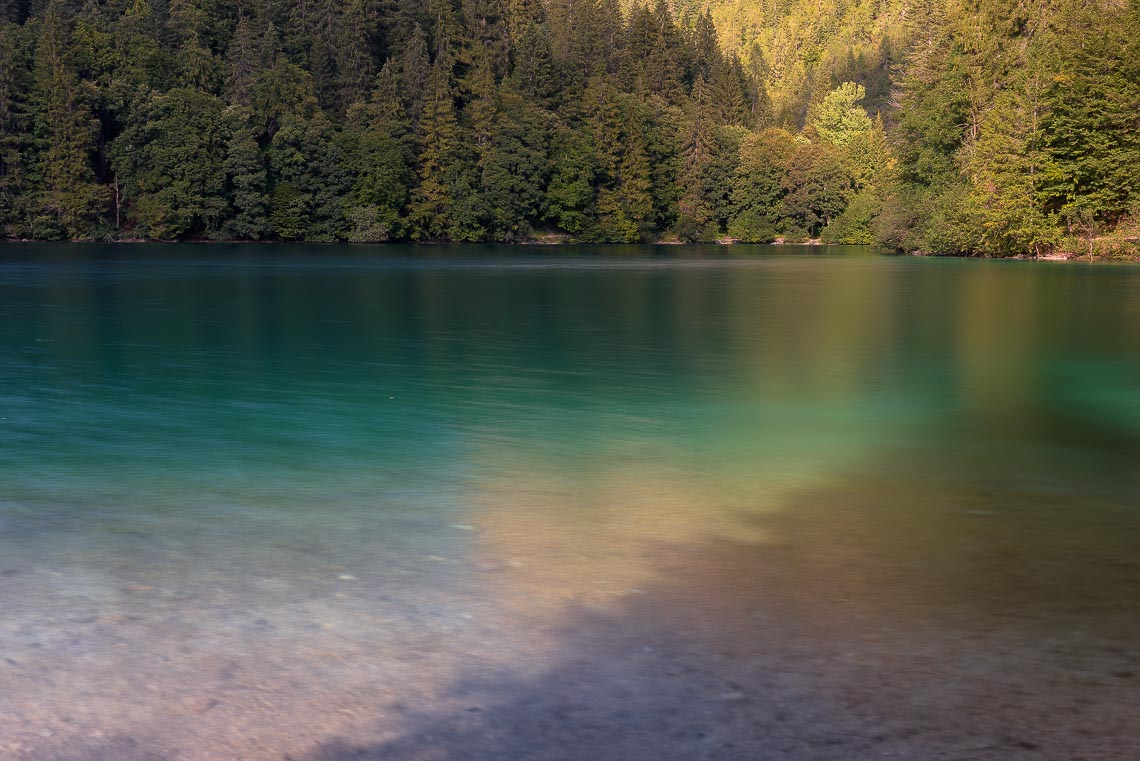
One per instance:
(376, 155)
(1018, 123)
(169, 166)
(622, 173)
(570, 192)
(700, 149)
(817, 186)
(289, 214)
(964, 126)
(855, 224)
(244, 60)
(311, 185)
(758, 188)
(67, 199)
(1091, 131)
(512, 169)
(533, 74)
(15, 123)
(440, 207)
(246, 176)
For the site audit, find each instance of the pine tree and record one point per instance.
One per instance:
(198, 67)
(15, 84)
(246, 176)
(242, 62)
(696, 218)
(964, 126)
(706, 48)
(1088, 131)
(66, 127)
(415, 71)
(533, 73)
(488, 33)
(512, 168)
(377, 160)
(726, 93)
(290, 211)
(759, 101)
(355, 64)
(169, 165)
(281, 92)
(326, 180)
(663, 148)
(570, 196)
(443, 162)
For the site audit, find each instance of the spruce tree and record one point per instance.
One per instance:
(71, 201)
(696, 218)
(442, 158)
(246, 176)
(15, 84)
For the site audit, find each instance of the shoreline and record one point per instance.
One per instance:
(552, 241)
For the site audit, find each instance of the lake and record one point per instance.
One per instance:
(442, 503)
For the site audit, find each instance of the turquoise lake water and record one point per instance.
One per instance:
(269, 500)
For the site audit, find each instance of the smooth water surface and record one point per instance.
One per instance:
(261, 502)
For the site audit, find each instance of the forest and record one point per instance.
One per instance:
(970, 127)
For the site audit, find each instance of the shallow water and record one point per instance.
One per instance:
(262, 502)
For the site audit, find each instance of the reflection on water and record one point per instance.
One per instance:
(484, 504)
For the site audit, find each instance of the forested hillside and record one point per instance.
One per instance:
(952, 126)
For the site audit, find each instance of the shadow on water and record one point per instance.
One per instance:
(976, 624)
(856, 632)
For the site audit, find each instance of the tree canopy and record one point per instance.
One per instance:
(959, 126)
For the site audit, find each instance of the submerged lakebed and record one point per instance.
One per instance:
(323, 503)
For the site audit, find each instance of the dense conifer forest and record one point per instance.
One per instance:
(998, 127)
